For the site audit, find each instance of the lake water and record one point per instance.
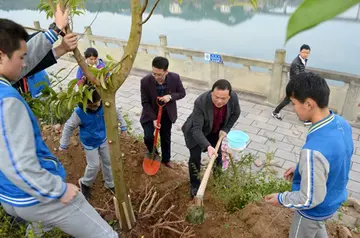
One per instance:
(230, 27)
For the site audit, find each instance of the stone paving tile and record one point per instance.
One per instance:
(279, 161)
(263, 125)
(271, 135)
(257, 138)
(288, 132)
(279, 145)
(297, 150)
(246, 128)
(250, 110)
(293, 141)
(355, 167)
(285, 138)
(257, 117)
(289, 156)
(282, 124)
(260, 147)
(245, 121)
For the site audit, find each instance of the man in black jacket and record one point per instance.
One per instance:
(297, 66)
(215, 112)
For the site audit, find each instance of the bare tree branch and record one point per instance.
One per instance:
(151, 12)
(144, 6)
(79, 58)
(92, 22)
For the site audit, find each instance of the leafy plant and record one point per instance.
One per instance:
(17, 228)
(53, 107)
(56, 107)
(76, 7)
(240, 184)
(311, 13)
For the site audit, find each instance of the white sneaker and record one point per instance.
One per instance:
(276, 116)
(307, 123)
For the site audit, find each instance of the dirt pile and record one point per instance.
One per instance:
(255, 220)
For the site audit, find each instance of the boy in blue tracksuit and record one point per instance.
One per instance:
(32, 180)
(93, 138)
(322, 173)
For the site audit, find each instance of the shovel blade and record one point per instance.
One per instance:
(151, 166)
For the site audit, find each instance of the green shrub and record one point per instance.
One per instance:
(243, 183)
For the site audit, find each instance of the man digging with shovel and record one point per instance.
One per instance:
(215, 113)
(160, 87)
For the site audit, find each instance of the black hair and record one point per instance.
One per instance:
(95, 94)
(95, 97)
(309, 85)
(305, 47)
(222, 84)
(11, 34)
(160, 62)
(91, 52)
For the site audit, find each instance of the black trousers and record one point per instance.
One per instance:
(195, 160)
(165, 136)
(283, 103)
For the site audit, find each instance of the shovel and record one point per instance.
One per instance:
(200, 193)
(152, 161)
(196, 211)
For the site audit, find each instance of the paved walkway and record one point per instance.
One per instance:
(283, 138)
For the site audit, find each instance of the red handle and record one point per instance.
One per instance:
(158, 120)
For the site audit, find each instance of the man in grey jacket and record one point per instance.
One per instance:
(32, 180)
(215, 112)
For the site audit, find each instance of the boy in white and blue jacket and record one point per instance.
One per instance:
(93, 139)
(322, 173)
(32, 180)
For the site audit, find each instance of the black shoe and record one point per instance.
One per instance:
(307, 123)
(276, 116)
(112, 190)
(168, 164)
(156, 153)
(193, 192)
(85, 190)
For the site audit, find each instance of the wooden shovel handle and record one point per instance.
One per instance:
(201, 191)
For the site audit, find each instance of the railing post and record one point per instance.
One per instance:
(37, 25)
(276, 77)
(214, 73)
(351, 110)
(88, 32)
(163, 45)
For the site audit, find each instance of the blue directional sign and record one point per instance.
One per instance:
(212, 57)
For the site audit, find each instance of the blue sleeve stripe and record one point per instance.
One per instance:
(310, 184)
(280, 198)
(51, 36)
(3, 132)
(311, 178)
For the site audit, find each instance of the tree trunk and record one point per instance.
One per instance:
(127, 220)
